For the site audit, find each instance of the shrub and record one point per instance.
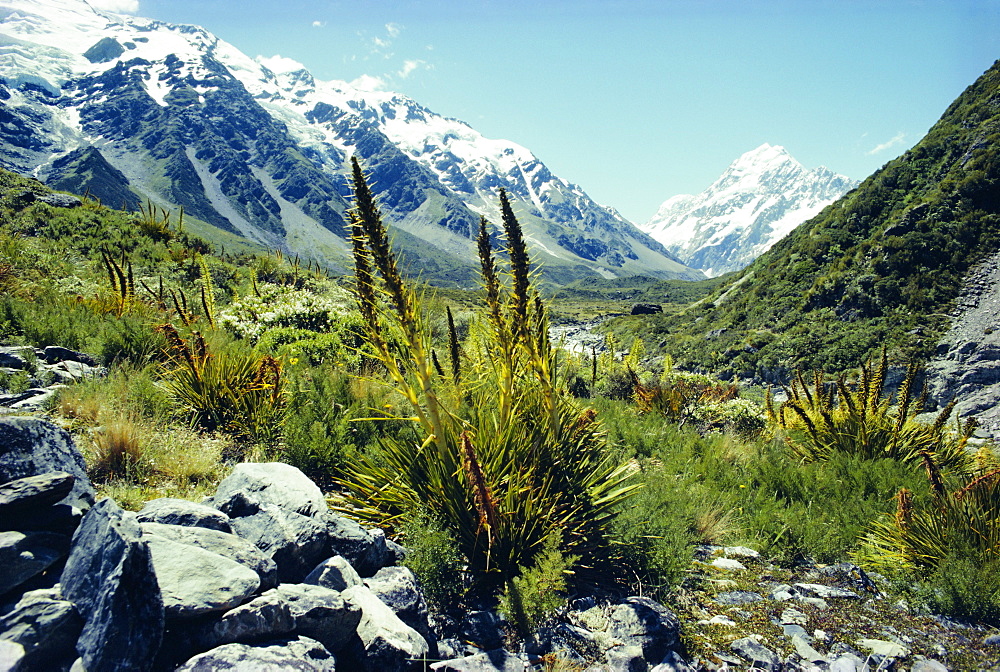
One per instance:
(433, 556)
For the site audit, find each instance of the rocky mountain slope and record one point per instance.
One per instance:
(756, 202)
(129, 108)
(881, 267)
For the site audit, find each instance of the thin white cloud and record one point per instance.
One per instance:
(119, 6)
(279, 64)
(892, 142)
(318, 24)
(369, 83)
(393, 29)
(381, 42)
(411, 66)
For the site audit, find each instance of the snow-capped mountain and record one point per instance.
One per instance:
(757, 201)
(257, 151)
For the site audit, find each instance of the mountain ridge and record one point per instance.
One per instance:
(758, 199)
(188, 120)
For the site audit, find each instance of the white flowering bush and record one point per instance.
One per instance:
(741, 416)
(250, 317)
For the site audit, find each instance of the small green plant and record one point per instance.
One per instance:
(861, 419)
(433, 556)
(540, 590)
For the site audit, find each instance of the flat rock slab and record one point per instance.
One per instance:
(24, 555)
(171, 511)
(881, 647)
(109, 577)
(34, 491)
(728, 564)
(274, 483)
(31, 446)
(297, 655)
(195, 582)
(228, 545)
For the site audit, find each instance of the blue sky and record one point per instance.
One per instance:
(638, 100)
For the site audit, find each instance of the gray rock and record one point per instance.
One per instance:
(482, 629)
(489, 661)
(927, 665)
(396, 553)
(194, 582)
(109, 578)
(61, 200)
(45, 628)
(265, 617)
(274, 483)
(793, 616)
(642, 622)
(366, 552)
(228, 545)
(759, 655)
(171, 511)
(24, 555)
(626, 659)
(398, 588)
(295, 542)
(74, 372)
(334, 573)
(881, 647)
(846, 663)
(672, 662)
(11, 656)
(16, 357)
(992, 640)
(730, 564)
(389, 644)
(52, 354)
(734, 597)
(805, 650)
(793, 630)
(826, 592)
(31, 446)
(301, 654)
(325, 615)
(34, 491)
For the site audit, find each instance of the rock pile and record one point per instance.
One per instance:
(262, 576)
(29, 377)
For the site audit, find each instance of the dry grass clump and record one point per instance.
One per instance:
(119, 451)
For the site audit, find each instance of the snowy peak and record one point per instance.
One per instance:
(758, 200)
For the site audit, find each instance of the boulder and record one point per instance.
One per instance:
(301, 654)
(228, 545)
(295, 542)
(646, 309)
(320, 613)
(53, 354)
(760, 656)
(334, 573)
(46, 628)
(24, 555)
(398, 588)
(171, 511)
(274, 483)
(389, 644)
(31, 446)
(31, 492)
(62, 200)
(194, 582)
(367, 552)
(626, 659)
(483, 629)
(16, 357)
(109, 577)
(642, 622)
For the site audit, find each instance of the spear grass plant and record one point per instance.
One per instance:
(503, 458)
(821, 418)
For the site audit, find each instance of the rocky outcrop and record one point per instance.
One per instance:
(966, 363)
(30, 377)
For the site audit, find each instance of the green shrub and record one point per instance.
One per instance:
(433, 556)
(540, 590)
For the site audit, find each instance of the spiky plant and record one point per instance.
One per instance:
(503, 458)
(820, 418)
